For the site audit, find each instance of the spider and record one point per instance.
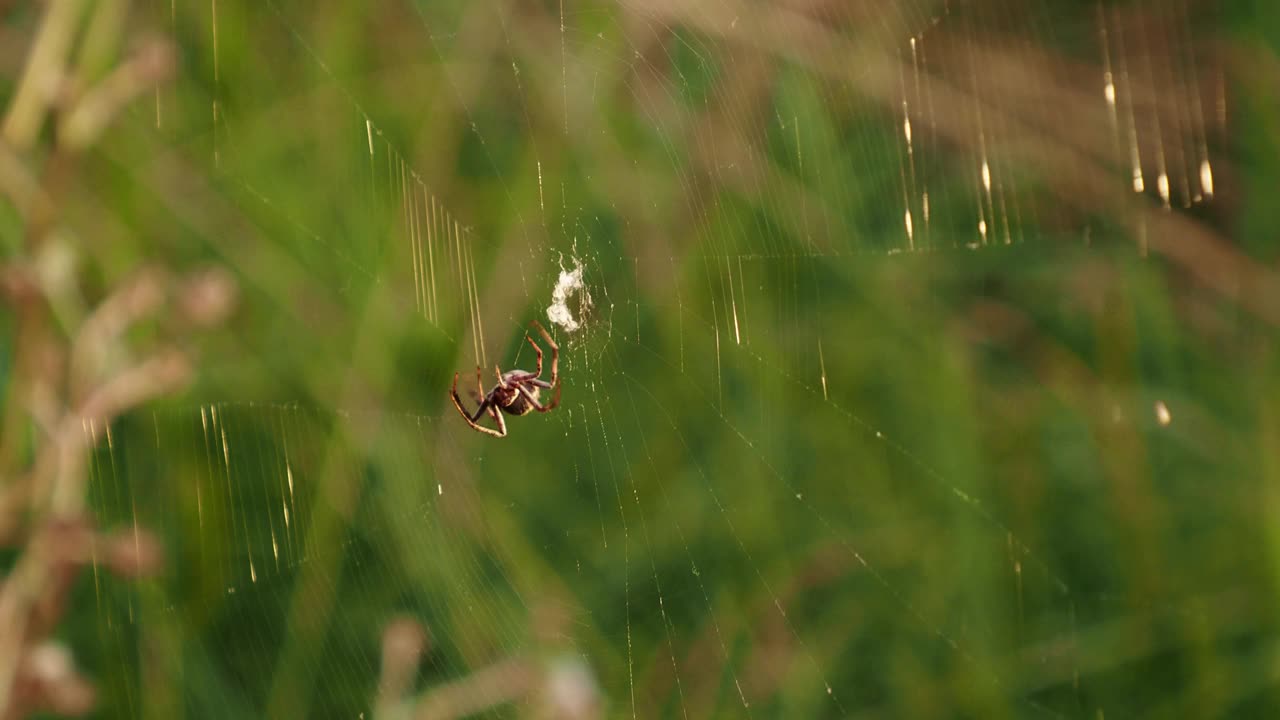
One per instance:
(516, 392)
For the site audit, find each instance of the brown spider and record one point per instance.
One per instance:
(516, 392)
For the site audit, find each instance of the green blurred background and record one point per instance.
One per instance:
(898, 393)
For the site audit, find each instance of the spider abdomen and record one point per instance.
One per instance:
(519, 404)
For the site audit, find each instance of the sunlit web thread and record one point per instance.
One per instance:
(222, 460)
(684, 543)
(318, 238)
(974, 504)
(466, 269)
(730, 302)
(202, 488)
(130, 505)
(697, 200)
(213, 424)
(740, 129)
(267, 472)
(187, 447)
(996, 213)
(716, 327)
(233, 500)
(644, 527)
(907, 159)
(111, 503)
(235, 495)
(461, 99)
(694, 198)
(221, 451)
(626, 553)
(288, 502)
(280, 470)
(213, 20)
(476, 532)
(442, 229)
(95, 492)
(595, 482)
(524, 109)
(742, 547)
(995, 166)
(230, 148)
(247, 444)
(409, 216)
(507, 631)
(909, 607)
(226, 421)
(99, 475)
(221, 415)
(928, 470)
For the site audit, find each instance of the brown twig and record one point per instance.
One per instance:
(46, 66)
(60, 384)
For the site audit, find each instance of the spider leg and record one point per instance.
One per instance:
(555, 353)
(498, 373)
(457, 401)
(471, 419)
(528, 396)
(497, 417)
(538, 372)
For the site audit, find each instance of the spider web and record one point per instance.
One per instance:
(768, 239)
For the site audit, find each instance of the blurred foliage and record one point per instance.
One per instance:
(1014, 458)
